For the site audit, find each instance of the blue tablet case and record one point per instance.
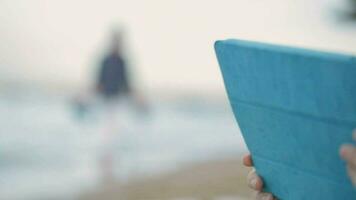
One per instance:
(295, 107)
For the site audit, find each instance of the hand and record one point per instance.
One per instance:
(348, 153)
(255, 182)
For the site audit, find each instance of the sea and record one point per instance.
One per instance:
(50, 149)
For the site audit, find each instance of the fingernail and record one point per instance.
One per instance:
(254, 182)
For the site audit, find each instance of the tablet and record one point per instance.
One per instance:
(295, 107)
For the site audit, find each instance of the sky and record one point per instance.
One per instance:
(169, 42)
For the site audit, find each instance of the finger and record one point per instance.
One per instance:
(348, 153)
(254, 181)
(247, 160)
(351, 166)
(264, 196)
(352, 174)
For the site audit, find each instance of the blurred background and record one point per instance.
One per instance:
(166, 131)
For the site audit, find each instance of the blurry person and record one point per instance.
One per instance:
(113, 80)
(112, 84)
(114, 88)
(347, 153)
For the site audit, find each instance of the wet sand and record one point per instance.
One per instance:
(223, 179)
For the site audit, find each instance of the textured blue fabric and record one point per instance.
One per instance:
(295, 107)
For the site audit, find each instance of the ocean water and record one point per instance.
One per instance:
(46, 152)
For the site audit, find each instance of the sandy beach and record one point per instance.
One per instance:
(223, 179)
